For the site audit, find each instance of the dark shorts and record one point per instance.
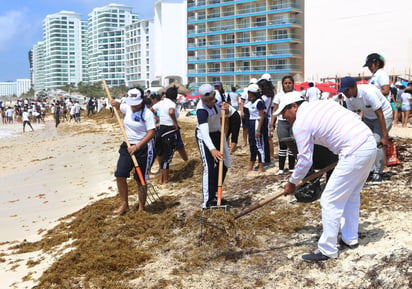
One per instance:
(125, 163)
(180, 144)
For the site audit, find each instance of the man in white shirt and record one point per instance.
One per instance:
(312, 93)
(377, 115)
(328, 124)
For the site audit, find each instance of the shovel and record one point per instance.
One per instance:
(147, 189)
(279, 194)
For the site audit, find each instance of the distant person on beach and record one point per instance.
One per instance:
(284, 128)
(9, 114)
(312, 93)
(56, 113)
(258, 131)
(406, 99)
(26, 120)
(376, 114)
(139, 124)
(328, 124)
(244, 113)
(233, 128)
(208, 134)
(166, 141)
(268, 94)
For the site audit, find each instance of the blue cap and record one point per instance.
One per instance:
(346, 83)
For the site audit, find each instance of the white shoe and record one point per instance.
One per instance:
(279, 172)
(291, 171)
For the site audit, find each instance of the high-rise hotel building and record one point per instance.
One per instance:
(138, 37)
(106, 43)
(60, 58)
(233, 41)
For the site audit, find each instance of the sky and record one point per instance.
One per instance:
(21, 27)
(338, 34)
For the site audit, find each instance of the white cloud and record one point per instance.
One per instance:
(13, 24)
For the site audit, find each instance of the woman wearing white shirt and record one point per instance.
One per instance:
(406, 99)
(139, 124)
(166, 143)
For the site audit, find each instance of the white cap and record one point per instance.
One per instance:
(288, 98)
(206, 90)
(253, 80)
(266, 76)
(134, 97)
(398, 83)
(253, 88)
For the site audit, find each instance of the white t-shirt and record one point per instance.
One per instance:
(162, 110)
(312, 93)
(406, 98)
(136, 128)
(234, 98)
(368, 100)
(25, 116)
(379, 79)
(276, 100)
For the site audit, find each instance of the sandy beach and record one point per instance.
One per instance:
(51, 173)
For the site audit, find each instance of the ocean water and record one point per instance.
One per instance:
(8, 130)
(14, 129)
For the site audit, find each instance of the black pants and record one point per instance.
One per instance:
(210, 169)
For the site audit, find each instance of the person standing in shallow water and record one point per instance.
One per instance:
(26, 120)
(139, 124)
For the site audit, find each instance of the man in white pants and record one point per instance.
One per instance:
(328, 124)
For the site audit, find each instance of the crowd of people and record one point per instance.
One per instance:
(353, 128)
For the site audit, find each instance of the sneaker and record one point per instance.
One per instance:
(279, 172)
(344, 246)
(291, 171)
(315, 256)
(376, 179)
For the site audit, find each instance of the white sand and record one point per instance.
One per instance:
(46, 175)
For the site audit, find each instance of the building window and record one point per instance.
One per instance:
(260, 21)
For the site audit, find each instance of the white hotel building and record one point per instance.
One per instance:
(106, 43)
(15, 88)
(60, 59)
(156, 50)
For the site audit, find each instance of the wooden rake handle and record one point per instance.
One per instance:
(119, 120)
(281, 193)
(222, 151)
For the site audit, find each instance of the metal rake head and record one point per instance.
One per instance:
(152, 195)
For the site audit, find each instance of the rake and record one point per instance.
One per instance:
(147, 189)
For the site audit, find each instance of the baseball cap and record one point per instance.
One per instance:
(346, 83)
(134, 97)
(218, 83)
(373, 57)
(398, 83)
(253, 88)
(288, 98)
(206, 90)
(266, 76)
(253, 80)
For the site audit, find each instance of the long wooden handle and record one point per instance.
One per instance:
(126, 139)
(222, 151)
(279, 194)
